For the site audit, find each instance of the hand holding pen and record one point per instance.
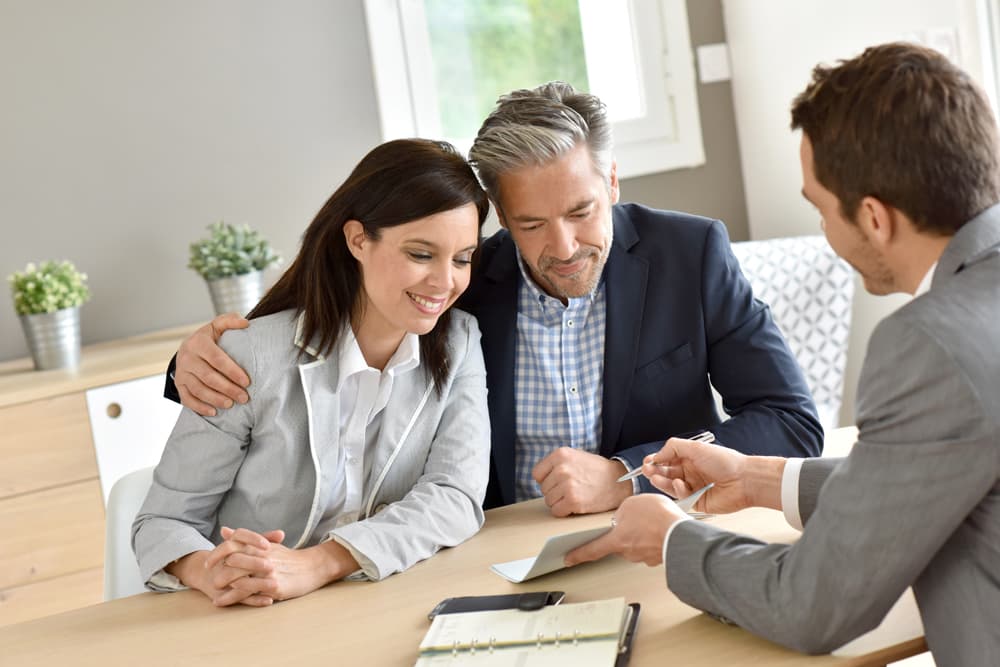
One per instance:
(724, 479)
(704, 436)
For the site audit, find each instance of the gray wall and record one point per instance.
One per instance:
(714, 189)
(127, 126)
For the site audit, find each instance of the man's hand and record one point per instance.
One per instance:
(206, 377)
(741, 481)
(641, 524)
(577, 482)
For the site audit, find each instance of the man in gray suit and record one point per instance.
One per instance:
(900, 157)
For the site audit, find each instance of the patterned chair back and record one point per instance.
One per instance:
(809, 290)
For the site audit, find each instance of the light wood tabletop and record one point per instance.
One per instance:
(364, 623)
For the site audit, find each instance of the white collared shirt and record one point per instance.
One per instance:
(925, 284)
(364, 392)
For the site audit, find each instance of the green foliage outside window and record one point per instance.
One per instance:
(485, 48)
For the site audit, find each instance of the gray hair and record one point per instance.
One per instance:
(533, 127)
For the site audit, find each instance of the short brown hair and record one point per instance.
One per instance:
(904, 125)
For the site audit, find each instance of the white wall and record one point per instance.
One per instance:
(126, 126)
(773, 47)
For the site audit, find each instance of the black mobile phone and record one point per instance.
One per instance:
(522, 601)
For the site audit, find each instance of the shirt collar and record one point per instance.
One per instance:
(925, 284)
(352, 361)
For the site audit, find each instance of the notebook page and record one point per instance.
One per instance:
(582, 654)
(599, 621)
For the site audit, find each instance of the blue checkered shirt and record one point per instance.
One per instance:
(558, 371)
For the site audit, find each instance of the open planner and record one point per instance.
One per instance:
(583, 634)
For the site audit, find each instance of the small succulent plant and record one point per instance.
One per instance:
(230, 251)
(48, 287)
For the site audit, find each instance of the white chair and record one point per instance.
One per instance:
(809, 290)
(130, 423)
(121, 572)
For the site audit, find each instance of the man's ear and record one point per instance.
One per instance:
(877, 221)
(613, 189)
(500, 216)
(355, 237)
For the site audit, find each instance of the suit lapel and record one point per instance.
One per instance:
(319, 383)
(625, 277)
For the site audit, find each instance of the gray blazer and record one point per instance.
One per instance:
(261, 465)
(917, 501)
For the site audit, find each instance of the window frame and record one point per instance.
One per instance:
(656, 142)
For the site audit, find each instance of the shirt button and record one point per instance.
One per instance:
(572, 390)
(569, 323)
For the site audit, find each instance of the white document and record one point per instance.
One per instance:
(550, 558)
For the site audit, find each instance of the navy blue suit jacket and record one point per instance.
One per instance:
(679, 312)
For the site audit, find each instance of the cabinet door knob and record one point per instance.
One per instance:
(114, 410)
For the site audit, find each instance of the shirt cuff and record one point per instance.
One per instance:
(367, 571)
(790, 492)
(164, 582)
(666, 538)
(636, 489)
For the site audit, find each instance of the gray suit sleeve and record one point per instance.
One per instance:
(812, 476)
(923, 461)
(197, 468)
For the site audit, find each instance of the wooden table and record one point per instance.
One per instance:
(381, 624)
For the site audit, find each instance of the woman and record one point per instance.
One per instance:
(364, 447)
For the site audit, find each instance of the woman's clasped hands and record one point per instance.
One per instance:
(256, 569)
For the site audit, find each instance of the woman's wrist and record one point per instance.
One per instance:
(189, 569)
(336, 561)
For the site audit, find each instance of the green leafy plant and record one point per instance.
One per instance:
(48, 287)
(230, 251)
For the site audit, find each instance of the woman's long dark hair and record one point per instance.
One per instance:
(397, 182)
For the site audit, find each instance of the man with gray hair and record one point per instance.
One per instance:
(596, 350)
(602, 323)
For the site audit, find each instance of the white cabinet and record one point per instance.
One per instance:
(130, 423)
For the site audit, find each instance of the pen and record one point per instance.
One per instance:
(704, 436)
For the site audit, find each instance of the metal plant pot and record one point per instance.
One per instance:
(53, 338)
(236, 294)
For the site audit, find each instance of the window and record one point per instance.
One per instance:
(440, 65)
(988, 24)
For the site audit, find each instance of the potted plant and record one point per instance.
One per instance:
(232, 261)
(47, 298)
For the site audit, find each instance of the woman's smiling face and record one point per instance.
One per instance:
(414, 271)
